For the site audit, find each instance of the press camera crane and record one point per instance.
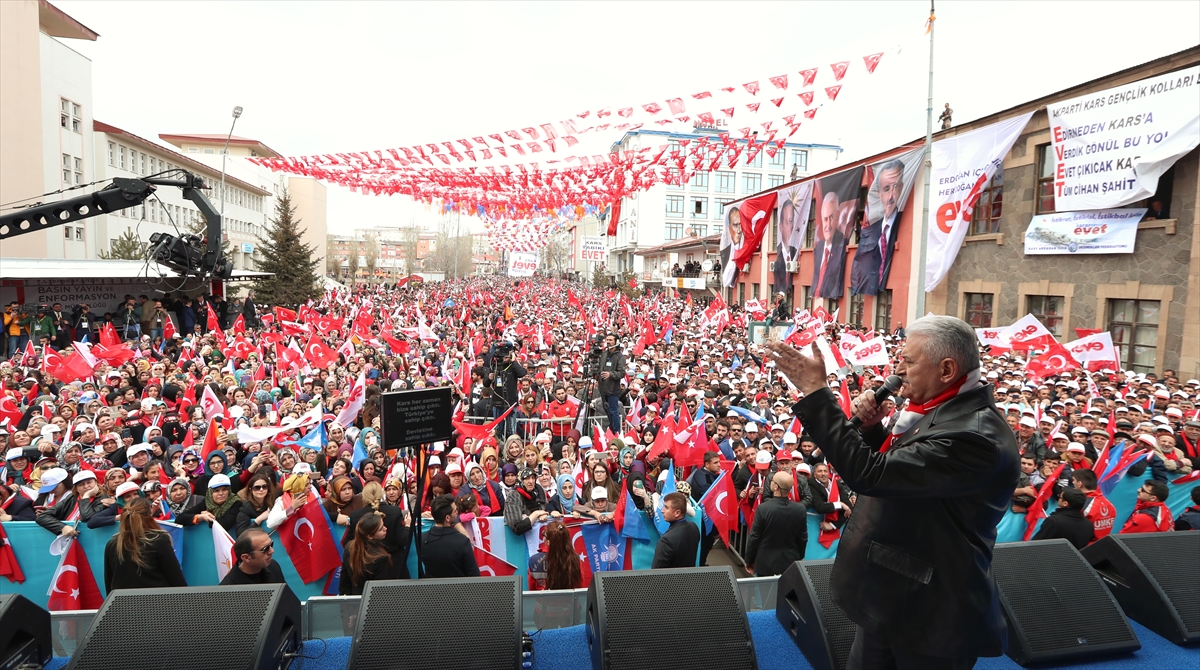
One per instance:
(189, 254)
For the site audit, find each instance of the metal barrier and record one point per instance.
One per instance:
(68, 628)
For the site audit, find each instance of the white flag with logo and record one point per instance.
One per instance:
(1096, 348)
(871, 352)
(991, 337)
(211, 404)
(962, 167)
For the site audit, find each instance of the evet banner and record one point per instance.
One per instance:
(1101, 231)
(593, 249)
(522, 263)
(962, 167)
(1110, 147)
(871, 352)
(1095, 351)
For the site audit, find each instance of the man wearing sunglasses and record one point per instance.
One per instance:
(255, 560)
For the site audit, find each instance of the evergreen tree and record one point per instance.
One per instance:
(294, 277)
(127, 247)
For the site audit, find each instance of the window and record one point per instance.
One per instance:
(674, 181)
(122, 157)
(71, 116)
(66, 169)
(757, 162)
(700, 229)
(1045, 184)
(112, 154)
(806, 297)
(193, 150)
(210, 151)
(726, 182)
(143, 168)
(67, 233)
(751, 183)
(883, 312)
(1048, 309)
(979, 309)
(78, 170)
(774, 180)
(700, 181)
(985, 218)
(699, 208)
(674, 230)
(857, 307)
(810, 229)
(674, 205)
(79, 234)
(777, 161)
(741, 292)
(1134, 328)
(800, 159)
(719, 208)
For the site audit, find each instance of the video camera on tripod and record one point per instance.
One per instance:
(591, 364)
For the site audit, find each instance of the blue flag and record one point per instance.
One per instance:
(668, 487)
(315, 439)
(605, 547)
(175, 531)
(360, 452)
(635, 525)
(747, 414)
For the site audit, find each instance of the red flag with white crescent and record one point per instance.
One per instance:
(306, 538)
(73, 587)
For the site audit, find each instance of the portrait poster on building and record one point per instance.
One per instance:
(795, 206)
(1111, 147)
(962, 167)
(837, 208)
(731, 245)
(744, 228)
(1099, 231)
(891, 185)
(522, 263)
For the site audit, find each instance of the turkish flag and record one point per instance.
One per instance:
(210, 441)
(580, 547)
(292, 329)
(213, 324)
(399, 347)
(802, 337)
(169, 329)
(9, 411)
(239, 325)
(285, 314)
(827, 537)
(491, 565)
(73, 587)
(73, 368)
(108, 335)
(211, 403)
(318, 354)
(720, 504)
(242, 348)
(308, 542)
(288, 356)
(9, 567)
(1055, 361)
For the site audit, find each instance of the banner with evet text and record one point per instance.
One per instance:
(1110, 147)
(962, 167)
(522, 263)
(1101, 231)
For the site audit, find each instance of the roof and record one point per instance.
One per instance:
(57, 23)
(686, 244)
(101, 127)
(203, 138)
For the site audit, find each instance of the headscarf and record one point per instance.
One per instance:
(220, 510)
(178, 508)
(568, 504)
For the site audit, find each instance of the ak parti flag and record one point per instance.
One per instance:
(73, 587)
(308, 542)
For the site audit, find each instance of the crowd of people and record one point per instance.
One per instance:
(561, 391)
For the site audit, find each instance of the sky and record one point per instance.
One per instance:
(323, 77)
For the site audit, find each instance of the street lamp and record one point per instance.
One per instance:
(237, 112)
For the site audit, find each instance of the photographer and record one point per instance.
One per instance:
(504, 375)
(86, 324)
(612, 371)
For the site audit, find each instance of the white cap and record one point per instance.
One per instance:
(135, 450)
(1028, 422)
(803, 467)
(1148, 439)
(762, 460)
(218, 481)
(600, 492)
(302, 468)
(126, 488)
(52, 478)
(14, 453)
(790, 438)
(434, 460)
(1076, 447)
(778, 426)
(49, 429)
(453, 468)
(585, 442)
(751, 427)
(82, 476)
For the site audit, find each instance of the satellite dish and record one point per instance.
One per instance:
(707, 265)
(664, 265)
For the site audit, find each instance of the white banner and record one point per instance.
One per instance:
(593, 249)
(962, 167)
(1110, 147)
(1101, 231)
(1096, 348)
(522, 263)
(871, 352)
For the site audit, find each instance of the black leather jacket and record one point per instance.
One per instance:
(914, 561)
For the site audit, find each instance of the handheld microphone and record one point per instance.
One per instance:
(890, 386)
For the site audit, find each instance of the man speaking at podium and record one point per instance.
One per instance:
(913, 566)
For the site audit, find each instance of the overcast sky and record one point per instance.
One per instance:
(320, 77)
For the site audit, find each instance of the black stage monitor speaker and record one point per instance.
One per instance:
(1057, 607)
(251, 627)
(24, 633)
(396, 627)
(1149, 575)
(625, 616)
(805, 607)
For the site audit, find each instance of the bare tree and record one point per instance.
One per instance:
(352, 261)
(409, 236)
(333, 264)
(557, 253)
(371, 253)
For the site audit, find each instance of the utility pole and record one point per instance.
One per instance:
(923, 240)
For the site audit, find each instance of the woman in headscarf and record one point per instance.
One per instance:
(487, 493)
(546, 479)
(624, 463)
(285, 460)
(217, 464)
(508, 479)
(514, 450)
(179, 496)
(563, 502)
(70, 454)
(490, 463)
(341, 500)
(220, 506)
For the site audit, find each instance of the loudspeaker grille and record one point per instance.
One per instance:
(139, 614)
(691, 597)
(1161, 554)
(400, 630)
(838, 627)
(1041, 580)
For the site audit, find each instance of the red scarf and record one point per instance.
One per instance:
(914, 413)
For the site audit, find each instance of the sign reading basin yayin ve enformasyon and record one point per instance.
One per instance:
(593, 249)
(420, 416)
(1101, 231)
(522, 263)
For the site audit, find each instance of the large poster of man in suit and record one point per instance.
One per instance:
(837, 203)
(731, 242)
(795, 204)
(890, 188)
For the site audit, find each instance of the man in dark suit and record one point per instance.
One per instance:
(1068, 522)
(829, 254)
(821, 484)
(678, 547)
(780, 531)
(873, 260)
(924, 527)
(447, 552)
